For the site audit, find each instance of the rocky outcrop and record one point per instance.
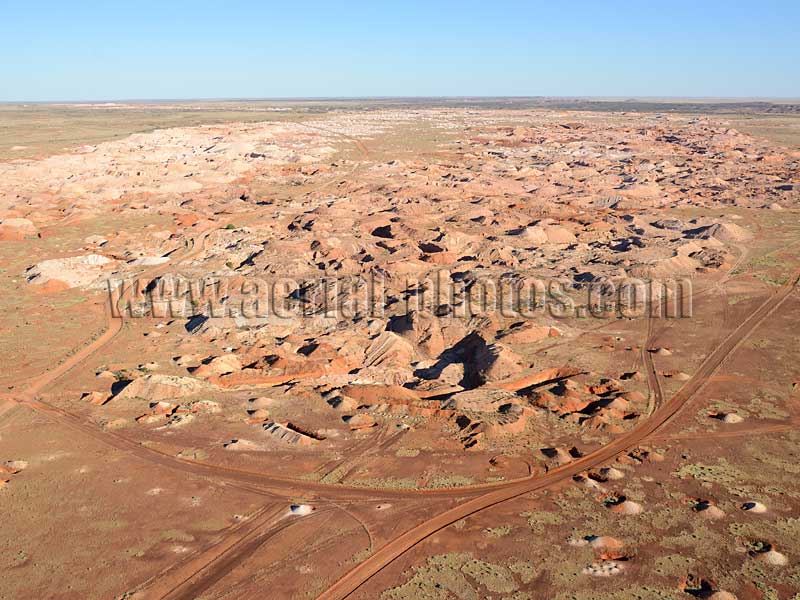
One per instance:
(76, 271)
(158, 388)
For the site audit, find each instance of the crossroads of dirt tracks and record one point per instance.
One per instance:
(384, 556)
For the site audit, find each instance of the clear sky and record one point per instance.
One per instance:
(124, 49)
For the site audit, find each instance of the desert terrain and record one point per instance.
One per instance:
(400, 350)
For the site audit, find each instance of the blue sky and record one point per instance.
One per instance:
(61, 50)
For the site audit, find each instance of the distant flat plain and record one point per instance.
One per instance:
(39, 129)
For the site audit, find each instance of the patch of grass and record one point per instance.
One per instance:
(213, 524)
(632, 593)
(336, 475)
(699, 541)
(407, 452)
(526, 570)
(175, 535)
(110, 525)
(448, 481)
(361, 556)
(497, 532)
(495, 578)
(460, 575)
(539, 520)
(136, 551)
(439, 579)
(722, 473)
(673, 565)
(764, 406)
(193, 454)
(773, 280)
(760, 344)
(784, 532)
(386, 482)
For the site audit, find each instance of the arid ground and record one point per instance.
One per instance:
(400, 350)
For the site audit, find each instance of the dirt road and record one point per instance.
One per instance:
(113, 327)
(189, 578)
(354, 579)
(6, 405)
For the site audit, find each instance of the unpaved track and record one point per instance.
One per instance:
(654, 383)
(114, 326)
(249, 480)
(7, 406)
(190, 578)
(281, 487)
(351, 581)
(252, 481)
(183, 572)
(656, 398)
(256, 482)
(260, 483)
(232, 549)
(790, 425)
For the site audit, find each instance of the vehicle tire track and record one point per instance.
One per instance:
(384, 556)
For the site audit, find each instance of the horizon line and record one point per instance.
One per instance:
(460, 97)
